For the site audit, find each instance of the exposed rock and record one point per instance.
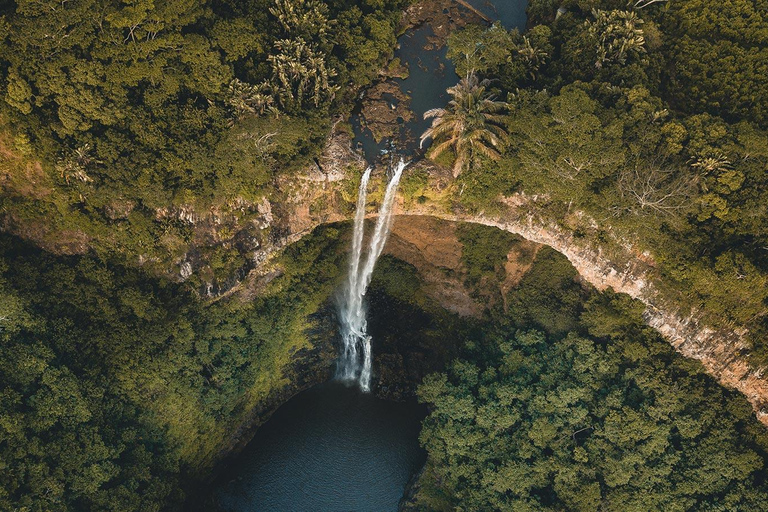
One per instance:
(433, 248)
(21, 177)
(391, 377)
(321, 194)
(385, 108)
(721, 352)
(264, 207)
(443, 16)
(186, 270)
(337, 156)
(395, 69)
(119, 209)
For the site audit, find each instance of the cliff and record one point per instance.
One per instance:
(722, 352)
(324, 192)
(617, 265)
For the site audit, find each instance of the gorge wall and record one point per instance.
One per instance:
(621, 267)
(325, 191)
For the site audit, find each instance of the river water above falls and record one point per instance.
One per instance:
(330, 448)
(511, 13)
(429, 74)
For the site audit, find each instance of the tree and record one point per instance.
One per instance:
(77, 164)
(533, 56)
(300, 75)
(245, 98)
(303, 18)
(618, 35)
(471, 124)
(718, 58)
(474, 50)
(495, 51)
(654, 189)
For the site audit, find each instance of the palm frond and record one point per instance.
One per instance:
(471, 123)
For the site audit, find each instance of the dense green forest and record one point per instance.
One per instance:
(651, 120)
(121, 391)
(565, 400)
(135, 107)
(641, 123)
(124, 389)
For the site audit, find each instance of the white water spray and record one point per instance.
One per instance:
(352, 310)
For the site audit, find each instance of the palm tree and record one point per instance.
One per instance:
(532, 56)
(619, 35)
(300, 75)
(77, 165)
(307, 19)
(245, 98)
(471, 123)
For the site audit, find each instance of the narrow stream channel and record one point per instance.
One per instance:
(511, 13)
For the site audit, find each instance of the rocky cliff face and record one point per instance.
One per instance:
(626, 270)
(325, 193)
(722, 352)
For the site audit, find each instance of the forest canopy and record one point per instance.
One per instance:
(132, 107)
(120, 393)
(566, 400)
(650, 120)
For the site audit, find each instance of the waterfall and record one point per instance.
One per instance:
(352, 308)
(351, 313)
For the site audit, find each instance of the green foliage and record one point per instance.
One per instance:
(303, 19)
(504, 55)
(471, 124)
(144, 103)
(398, 281)
(484, 250)
(633, 123)
(616, 35)
(300, 76)
(566, 145)
(549, 296)
(123, 389)
(718, 58)
(365, 34)
(478, 50)
(613, 420)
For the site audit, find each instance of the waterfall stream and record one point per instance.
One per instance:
(352, 364)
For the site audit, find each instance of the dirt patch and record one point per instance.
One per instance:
(118, 209)
(435, 240)
(519, 262)
(68, 242)
(433, 248)
(21, 177)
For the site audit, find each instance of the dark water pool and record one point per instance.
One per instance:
(330, 449)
